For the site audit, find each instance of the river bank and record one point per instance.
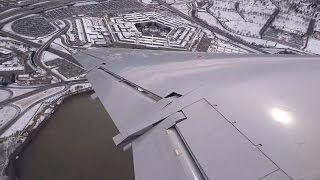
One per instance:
(74, 143)
(16, 144)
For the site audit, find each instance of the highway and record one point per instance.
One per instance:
(39, 52)
(23, 12)
(43, 88)
(23, 8)
(213, 28)
(8, 102)
(13, 120)
(36, 45)
(8, 91)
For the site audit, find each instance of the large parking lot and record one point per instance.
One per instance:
(93, 10)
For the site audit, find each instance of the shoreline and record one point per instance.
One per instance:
(10, 169)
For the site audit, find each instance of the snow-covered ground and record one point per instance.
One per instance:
(317, 26)
(6, 114)
(220, 46)
(146, 1)
(27, 102)
(4, 94)
(267, 9)
(20, 91)
(86, 3)
(57, 44)
(22, 122)
(182, 7)
(44, 107)
(12, 43)
(291, 23)
(244, 28)
(48, 56)
(76, 87)
(247, 20)
(313, 46)
(209, 19)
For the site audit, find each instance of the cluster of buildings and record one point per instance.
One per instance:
(152, 30)
(5, 55)
(9, 66)
(290, 23)
(88, 30)
(8, 72)
(135, 30)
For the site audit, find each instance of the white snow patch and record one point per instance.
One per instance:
(86, 3)
(76, 87)
(4, 94)
(209, 19)
(26, 102)
(313, 46)
(244, 28)
(22, 122)
(48, 56)
(57, 44)
(291, 23)
(6, 114)
(182, 7)
(146, 1)
(20, 91)
(12, 43)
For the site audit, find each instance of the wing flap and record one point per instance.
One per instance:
(155, 158)
(221, 151)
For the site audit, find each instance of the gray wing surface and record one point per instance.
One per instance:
(211, 116)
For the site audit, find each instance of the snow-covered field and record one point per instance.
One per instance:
(313, 46)
(4, 94)
(57, 44)
(209, 19)
(317, 26)
(247, 20)
(76, 87)
(6, 114)
(22, 122)
(220, 46)
(182, 7)
(12, 43)
(244, 28)
(291, 23)
(20, 91)
(26, 102)
(146, 1)
(28, 118)
(229, 15)
(267, 9)
(86, 3)
(48, 56)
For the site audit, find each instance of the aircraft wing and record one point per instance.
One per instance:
(211, 116)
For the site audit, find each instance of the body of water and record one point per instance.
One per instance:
(76, 144)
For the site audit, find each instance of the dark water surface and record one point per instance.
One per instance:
(76, 144)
